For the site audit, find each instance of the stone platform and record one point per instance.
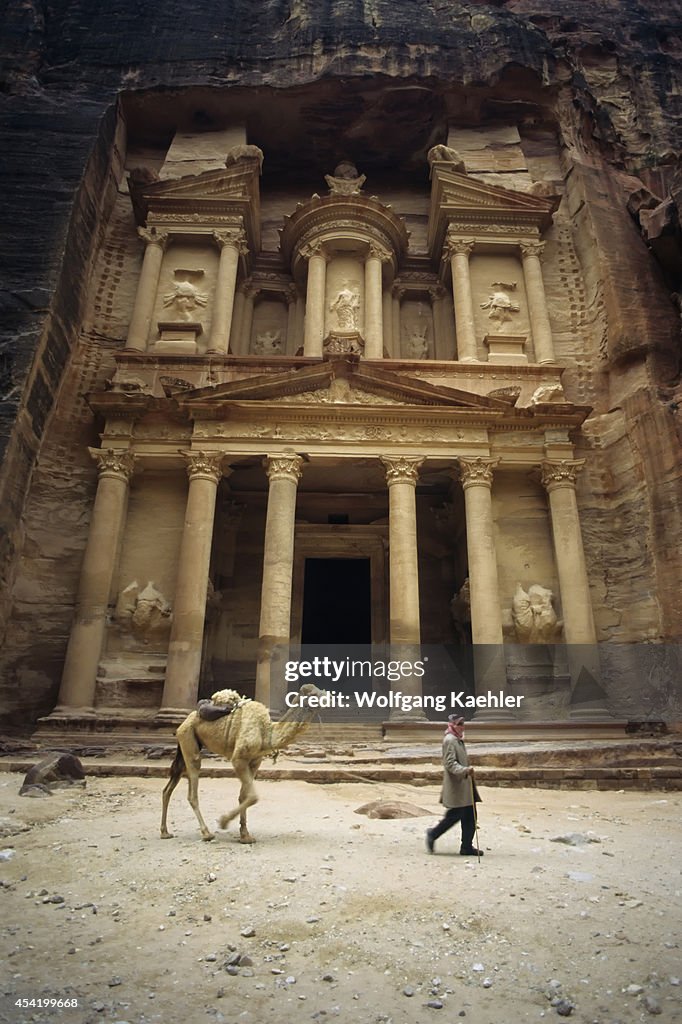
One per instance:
(634, 763)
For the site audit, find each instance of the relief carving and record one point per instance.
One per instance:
(268, 343)
(346, 306)
(416, 345)
(499, 303)
(448, 155)
(244, 152)
(533, 619)
(346, 179)
(144, 612)
(184, 296)
(547, 393)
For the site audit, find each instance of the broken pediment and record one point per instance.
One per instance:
(466, 204)
(202, 199)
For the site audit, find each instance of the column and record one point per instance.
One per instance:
(398, 292)
(315, 299)
(191, 586)
(405, 630)
(439, 338)
(291, 344)
(458, 250)
(486, 617)
(284, 472)
(235, 347)
(387, 302)
(232, 246)
(147, 287)
(94, 591)
(559, 480)
(251, 290)
(374, 328)
(588, 700)
(537, 302)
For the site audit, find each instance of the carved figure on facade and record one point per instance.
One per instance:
(499, 302)
(343, 345)
(445, 154)
(548, 393)
(346, 179)
(244, 152)
(346, 306)
(416, 344)
(533, 619)
(185, 297)
(460, 610)
(144, 611)
(268, 343)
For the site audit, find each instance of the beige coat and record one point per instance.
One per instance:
(456, 791)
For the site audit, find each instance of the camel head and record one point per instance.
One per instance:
(303, 707)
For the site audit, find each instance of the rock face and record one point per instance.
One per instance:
(582, 102)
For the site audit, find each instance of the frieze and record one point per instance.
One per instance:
(339, 393)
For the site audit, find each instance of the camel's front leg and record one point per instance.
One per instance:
(246, 773)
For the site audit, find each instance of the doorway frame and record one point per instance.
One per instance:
(312, 540)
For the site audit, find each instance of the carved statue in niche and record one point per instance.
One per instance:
(346, 305)
(145, 612)
(346, 180)
(448, 155)
(267, 343)
(533, 617)
(416, 345)
(185, 297)
(460, 610)
(499, 303)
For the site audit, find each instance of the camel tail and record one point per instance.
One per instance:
(177, 768)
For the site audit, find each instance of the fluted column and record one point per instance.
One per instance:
(537, 302)
(559, 479)
(147, 287)
(284, 472)
(374, 328)
(94, 591)
(486, 617)
(232, 246)
(405, 630)
(191, 587)
(458, 250)
(315, 297)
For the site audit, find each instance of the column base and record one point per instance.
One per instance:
(493, 715)
(70, 711)
(172, 716)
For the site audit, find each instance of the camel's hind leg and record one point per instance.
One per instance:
(246, 773)
(177, 770)
(191, 753)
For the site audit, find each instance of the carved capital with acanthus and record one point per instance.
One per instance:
(284, 467)
(457, 247)
(476, 472)
(249, 288)
(563, 473)
(531, 248)
(378, 252)
(311, 249)
(233, 237)
(113, 462)
(204, 465)
(153, 237)
(404, 469)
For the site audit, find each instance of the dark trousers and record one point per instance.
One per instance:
(452, 816)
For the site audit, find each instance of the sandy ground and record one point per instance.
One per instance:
(338, 917)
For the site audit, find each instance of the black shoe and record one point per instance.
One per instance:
(470, 851)
(429, 840)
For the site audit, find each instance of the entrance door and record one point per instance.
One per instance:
(337, 601)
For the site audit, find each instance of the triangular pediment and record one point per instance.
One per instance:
(339, 381)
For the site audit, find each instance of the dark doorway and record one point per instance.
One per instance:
(336, 601)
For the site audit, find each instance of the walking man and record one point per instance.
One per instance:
(459, 790)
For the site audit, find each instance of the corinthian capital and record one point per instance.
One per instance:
(233, 237)
(204, 464)
(287, 467)
(311, 249)
(531, 249)
(457, 247)
(563, 473)
(377, 252)
(153, 237)
(112, 462)
(476, 472)
(404, 469)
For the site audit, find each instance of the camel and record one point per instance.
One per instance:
(244, 736)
